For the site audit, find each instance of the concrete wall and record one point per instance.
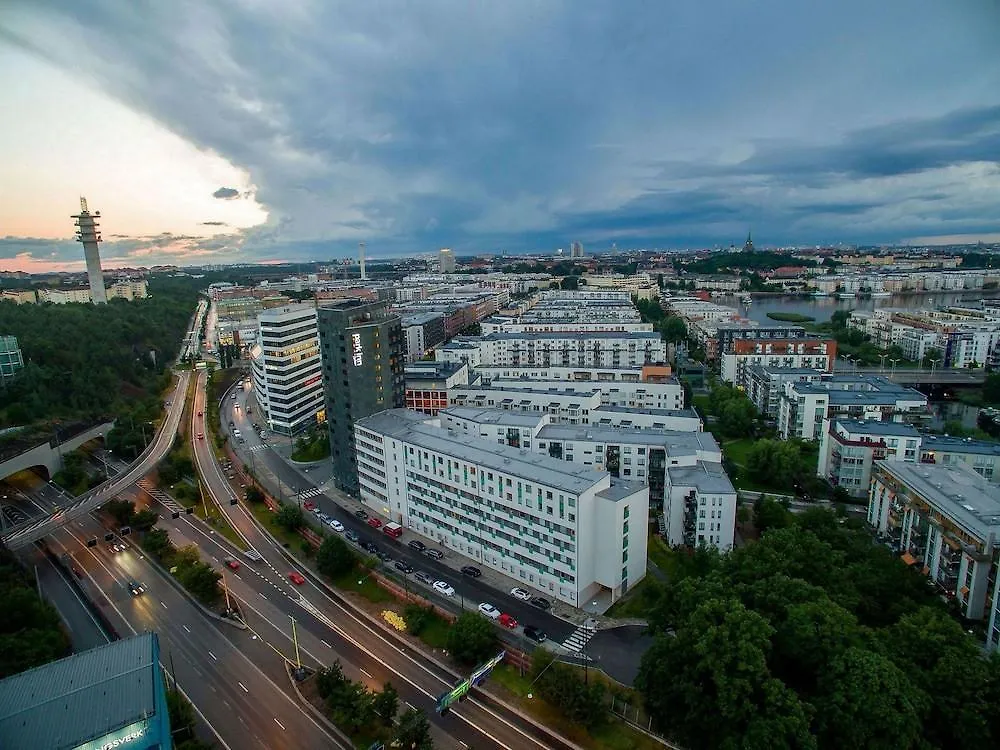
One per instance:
(49, 455)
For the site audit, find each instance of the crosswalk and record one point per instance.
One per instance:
(579, 638)
(161, 497)
(311, 492)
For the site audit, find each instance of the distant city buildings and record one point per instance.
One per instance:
(576, 250)
(446, 260)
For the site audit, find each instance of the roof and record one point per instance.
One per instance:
(689, 412)
(957, 491)
(419, 319)
(83, 697)
(705, 476)
(494, 416)
(676, 442)
(409, 427)
(576, 336)
(621, 489)
(950, 444)
(873, 427)
(430, 371)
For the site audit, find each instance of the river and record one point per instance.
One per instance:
(821, 308)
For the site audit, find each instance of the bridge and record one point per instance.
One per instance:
(917, 375)
(34, 529)
(49, 453)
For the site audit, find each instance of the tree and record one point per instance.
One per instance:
(674, 329)
(866, 701)
(120, 510)
(334, 558)
(414, 731)
(472, 639)
(254, 495)
(736, 418)
(579, 701)
(932, 357)
(157, 543)
(770, 514)
(386, 704)
(144, 519)
(991, 388)
(290, 517)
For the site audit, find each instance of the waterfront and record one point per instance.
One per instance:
(821, 308)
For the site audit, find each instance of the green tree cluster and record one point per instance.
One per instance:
(334, 558)
(472, 639)
(30, 630)
(290, 517)
(582, 702)
(182, 723)
(813, 637)
(779, 463)
(733, 262)
(734, 413)
(124, 513)
(350, 705)
(312, 447)
(77, 475)
(201, 579)
(176, 465)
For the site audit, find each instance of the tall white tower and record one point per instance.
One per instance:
(89, 235)
(361, 259)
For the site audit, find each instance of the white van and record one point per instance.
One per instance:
(252, 554)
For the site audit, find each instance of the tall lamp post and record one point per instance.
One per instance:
(934, 363)
(881, 361)
(893, 362)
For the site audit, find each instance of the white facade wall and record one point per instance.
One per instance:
(640, 395)
(734, 366)
(596, 375)
(415, 346)
(696, 514)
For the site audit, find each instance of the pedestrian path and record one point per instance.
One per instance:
(161, 497)
(579, 638)
(311, 492)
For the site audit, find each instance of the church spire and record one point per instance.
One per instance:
(748, 246)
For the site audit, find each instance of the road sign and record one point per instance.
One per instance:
(477, 678)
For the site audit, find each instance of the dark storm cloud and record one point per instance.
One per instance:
(524, 124)
(226, 193)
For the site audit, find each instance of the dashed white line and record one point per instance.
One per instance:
(366, 674)
(242, 686)
(237, 575)
(278, 722)
(262, 595)
(410, 705)
(325, 643)
(163, 605)
(186, 628)
(213, 656)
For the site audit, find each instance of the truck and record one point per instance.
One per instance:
(393, 529)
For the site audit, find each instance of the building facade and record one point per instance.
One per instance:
(361, 345)
(572, 533)
(286, 368)
(742, 354)
(547, 349)
(700, 506)
(428, 383)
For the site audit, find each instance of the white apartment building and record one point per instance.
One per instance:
(569, 532)
(945, 521)
(64, 296)
(586, 374)
(764, 384)
(638, 285)
(635, 395)
(694, 309)
(700, 506)
(804, 406)
(793, 354)
(286, 368)
(498, 324)
(597, 349)
(129, 289)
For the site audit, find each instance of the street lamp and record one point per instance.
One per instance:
(933, 364)
(881, 361)
(893, 362)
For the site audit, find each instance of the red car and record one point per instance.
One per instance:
(375, 523)
(309, 505)
(296, 578)
(507, 621)
(232, 564)
(201, 435)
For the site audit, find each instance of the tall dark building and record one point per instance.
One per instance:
(362, 347)
(748, 245)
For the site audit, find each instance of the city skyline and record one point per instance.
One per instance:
(256, 135)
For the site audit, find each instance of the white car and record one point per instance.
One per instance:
(442, 587)
(490, 611)
(519, 593)
(336, 525)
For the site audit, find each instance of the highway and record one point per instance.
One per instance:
(330, 627)
(469, 591)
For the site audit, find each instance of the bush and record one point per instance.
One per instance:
(472, 639)
(335, 558)
(560, 685)
(290, 517)
(417, 618)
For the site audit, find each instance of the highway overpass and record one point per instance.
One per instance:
(918, 376)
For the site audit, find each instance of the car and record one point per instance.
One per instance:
(485, 608)
(400, 565)
(424, 577)
(232, 564)
(383, 556)
(121, 546)
(135, 588)
(508, 621)
(540, 602)
(417, 545)
(297, 578)
(112, 549)
(351, 535)
(201, 435)
(322, 516)
(538, 636)
(252, 554)
(232, 423)
(443, 587)
(472, 571)
(519, 593)
(309, 505)
(361, 514)
(434, 553)
(375, 523)
(336, 525)
(199, 414)
(370, 547)
(242, 441)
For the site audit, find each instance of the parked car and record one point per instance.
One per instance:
(485, 608)
(417, 545)
(442, 587)
(434, 553)
(336, 525)
(521, 594)
(369, 547)
(541, 602)
(508, 621)
(383, 556)
(135, 588)
(472, 571)
(361, 514)
(201, 435)
(375, 523)
(400, 565)
(309, 505)
(538, 636)
(424, 577)
(296, 578)
(232, 564)
(351, 535)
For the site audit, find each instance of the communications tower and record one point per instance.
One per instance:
(89, 234)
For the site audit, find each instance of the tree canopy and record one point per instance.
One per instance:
(472, 639)
(814, 637)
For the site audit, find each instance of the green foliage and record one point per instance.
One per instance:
(312, 447)
(759, 260)
(735, 414)
(386, 703)
(570, 282)
(334, 558)
(30, 630)
(290, 517)
(254, 495)
(89, 361)
(176, 465)
(144, 520)
(199, 578)
(472, 639)
(561, 686)
(991, 388)
(414, 731)
(814, 637)
(77, 476)
(417, 618)
(771, 514)
(121, 510)
(157, 543)
(350, 705)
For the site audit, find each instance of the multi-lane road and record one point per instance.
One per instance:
(331, 628)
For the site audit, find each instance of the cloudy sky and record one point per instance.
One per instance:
(242, 130)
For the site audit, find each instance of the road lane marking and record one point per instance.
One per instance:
(242, 686)
(325, 643)
(262, 595)
(278, 722)
(213, 656)
(366, 674)
(186, 628)
(163, 605)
